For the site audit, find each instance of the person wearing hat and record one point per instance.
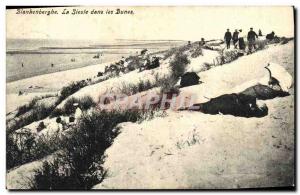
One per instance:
(251, 39)
(227, 38)
(235, 38)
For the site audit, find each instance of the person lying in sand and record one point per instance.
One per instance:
(244, 103)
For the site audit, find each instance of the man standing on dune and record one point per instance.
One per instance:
(227, 38)
(251, 39)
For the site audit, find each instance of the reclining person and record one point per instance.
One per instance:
(270, 36)
(154, 63)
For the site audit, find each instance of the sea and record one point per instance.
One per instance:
(31, 57)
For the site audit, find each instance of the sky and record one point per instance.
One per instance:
(148, 23)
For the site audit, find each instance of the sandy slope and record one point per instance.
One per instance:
(247, 70)
(204, 151)
(195, 150)
(242, 73)
(21, 177)
(53, 82)
(49, 83)
(191, 149)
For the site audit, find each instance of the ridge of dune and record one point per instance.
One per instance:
(221, 151)
(216, 81)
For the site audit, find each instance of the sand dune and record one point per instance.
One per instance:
(190, 149)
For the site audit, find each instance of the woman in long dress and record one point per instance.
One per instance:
(242, 45)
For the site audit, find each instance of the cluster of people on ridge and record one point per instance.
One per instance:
(238, 39)
(143, 62)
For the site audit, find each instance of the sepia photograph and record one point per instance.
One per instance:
(150, 97)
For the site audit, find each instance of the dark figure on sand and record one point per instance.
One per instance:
(189, 43)
(202, 42)
(227, 38)
(188, 79)
(242, 45)
(251, 40)
(154, 63)
(235, 38)
(244, 103)
(270, 36)
(144, 51)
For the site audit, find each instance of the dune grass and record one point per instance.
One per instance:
(28, 148)
(71, 89)
(85, 103)
(197, 52)
(131, 89)
(39, 112)
(83, 152)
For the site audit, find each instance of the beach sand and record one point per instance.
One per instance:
(46, 84)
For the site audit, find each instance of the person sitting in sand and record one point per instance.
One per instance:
(146, 63)
(122, 68)
(106, 69)
(144, 52)
(202, 42)
(114, 67)
(114, 70)
(154, 63)
(270, 36)
(126, 63)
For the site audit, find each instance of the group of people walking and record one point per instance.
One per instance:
(238, 39)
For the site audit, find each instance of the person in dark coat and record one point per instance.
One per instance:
(153, 64)
(235, 38)
(188, 79)
(227, 38)
(202, 42)
(270, 36)
(251, 39)
(259, 33)
(231, 104)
